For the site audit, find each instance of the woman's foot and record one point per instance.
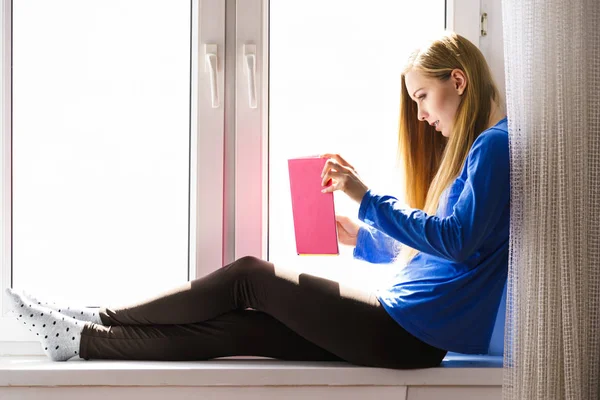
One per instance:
(80, 313)
(59, 334)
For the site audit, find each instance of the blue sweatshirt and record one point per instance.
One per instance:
(448, 294)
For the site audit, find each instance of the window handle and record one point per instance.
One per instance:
(250, 68)
(210, 66)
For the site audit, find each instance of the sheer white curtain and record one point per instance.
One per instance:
(552, 60)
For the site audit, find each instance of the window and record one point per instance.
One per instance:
(105, 166)
(101, 144)
(116, 161)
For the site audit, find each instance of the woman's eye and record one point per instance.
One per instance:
(421, 97)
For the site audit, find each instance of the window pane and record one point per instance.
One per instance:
(335, 87)
(101, 94)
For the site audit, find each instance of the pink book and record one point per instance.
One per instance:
(313, 211)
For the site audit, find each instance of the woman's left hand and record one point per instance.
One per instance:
(343, 177)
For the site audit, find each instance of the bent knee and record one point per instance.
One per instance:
(251, 265)
(248, 260)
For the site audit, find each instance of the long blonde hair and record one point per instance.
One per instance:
(431, 161)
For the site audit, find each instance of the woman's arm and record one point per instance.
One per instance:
(375, 246)
(456, 237)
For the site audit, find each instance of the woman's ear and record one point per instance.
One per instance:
(460, 81)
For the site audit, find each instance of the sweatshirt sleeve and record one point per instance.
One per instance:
(375, 246)
(456, 237)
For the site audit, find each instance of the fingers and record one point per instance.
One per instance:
(328, 180)
(335, 160)
(338, 158)
(332, 167)
(328, 189)
(328, 173)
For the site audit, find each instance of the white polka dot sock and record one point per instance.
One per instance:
(81, 313)
(60, 335)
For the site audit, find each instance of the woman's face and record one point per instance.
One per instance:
(437, 101)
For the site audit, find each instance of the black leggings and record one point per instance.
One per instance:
(253, 308)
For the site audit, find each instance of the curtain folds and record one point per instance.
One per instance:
(552, 65)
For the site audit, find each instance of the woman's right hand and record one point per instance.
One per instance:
(347, 230)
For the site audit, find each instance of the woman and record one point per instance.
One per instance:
(454, 142)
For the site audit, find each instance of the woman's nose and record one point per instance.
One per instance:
(421, 115)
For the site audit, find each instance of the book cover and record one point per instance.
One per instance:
(313, 212)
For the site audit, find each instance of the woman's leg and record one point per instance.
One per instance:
(237, 333)
(350, 324)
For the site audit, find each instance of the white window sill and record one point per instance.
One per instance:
(456, 370)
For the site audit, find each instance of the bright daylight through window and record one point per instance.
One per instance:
(100, 147)
(335, 88)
